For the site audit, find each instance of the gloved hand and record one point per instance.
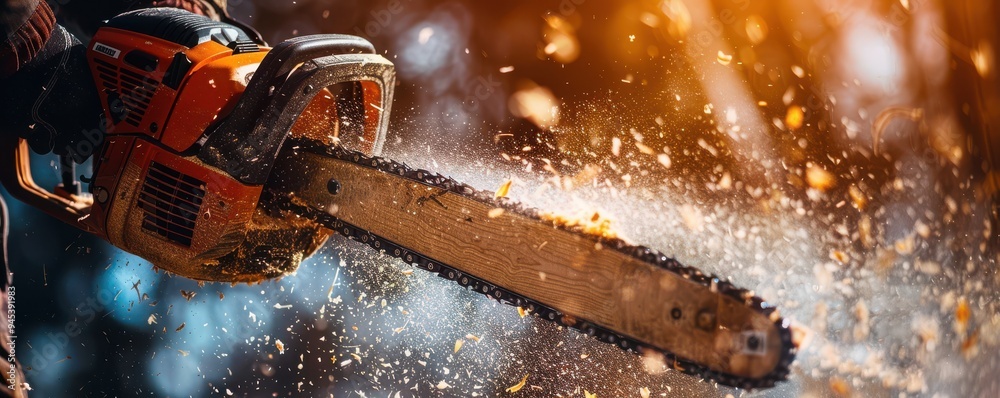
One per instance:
(51, 101)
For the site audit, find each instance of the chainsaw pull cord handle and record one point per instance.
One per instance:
(16, 177)
(225, 146)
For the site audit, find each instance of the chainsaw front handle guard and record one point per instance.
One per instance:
(273, 72)
(246, 143)
(16, 177)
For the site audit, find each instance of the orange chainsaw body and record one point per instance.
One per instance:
(162, 189)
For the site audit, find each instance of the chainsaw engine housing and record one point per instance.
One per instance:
(183, 112)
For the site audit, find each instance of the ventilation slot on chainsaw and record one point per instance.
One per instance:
(134, 89)
(171, 202)
(108, 74)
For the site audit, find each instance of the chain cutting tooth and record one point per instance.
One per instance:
(410, 258)
(484, 288)
(346, 231)
(628, 344)
(449, 273)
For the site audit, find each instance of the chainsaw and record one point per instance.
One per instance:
(224, 160)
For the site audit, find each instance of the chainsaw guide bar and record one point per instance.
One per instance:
(631, 296)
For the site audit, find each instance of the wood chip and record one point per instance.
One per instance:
(724, 59)
(839, 256)
(858, 198)
(794, 117)
(280, 345)
(588, 394)
(905, 246)
(969, 345)
(503, 190)
(962, 315)
(644, 149)
(693, 219)
(839, 387)
(820, 179)
(664, 160)
(400, 329)
(865, 231)
(517, 387)
(644, 392)
(458, 344)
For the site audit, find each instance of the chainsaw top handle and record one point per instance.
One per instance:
(246, 143)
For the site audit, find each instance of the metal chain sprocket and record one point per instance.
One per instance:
(282, 201)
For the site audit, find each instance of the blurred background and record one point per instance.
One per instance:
(838, 157)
